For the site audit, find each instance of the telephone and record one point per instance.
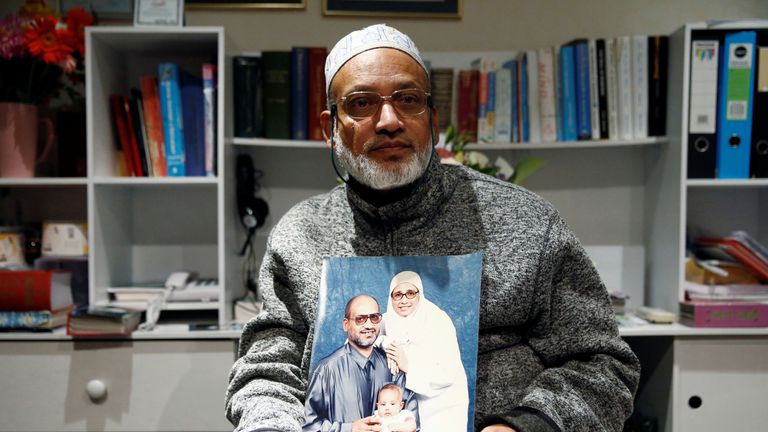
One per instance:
(179, 280)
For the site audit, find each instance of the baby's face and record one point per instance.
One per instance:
(389, 403)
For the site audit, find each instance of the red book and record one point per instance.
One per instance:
(737, 249)
(732, 314)
(317, 98)
(122, 139)
(467, 103)
(132, 140)
(35, 290)
(154, 125)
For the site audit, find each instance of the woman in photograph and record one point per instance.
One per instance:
(420, 340)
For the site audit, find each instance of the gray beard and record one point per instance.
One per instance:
(374, 176)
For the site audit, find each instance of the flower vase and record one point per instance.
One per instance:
(18, 139)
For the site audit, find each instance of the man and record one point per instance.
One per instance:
(342, 390)
(549, 356)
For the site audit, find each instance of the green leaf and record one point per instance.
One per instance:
(450, 134)
(525, 168)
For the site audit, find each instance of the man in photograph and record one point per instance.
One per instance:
(342, 390)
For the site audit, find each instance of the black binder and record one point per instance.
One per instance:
(702, 147)
(758, 161)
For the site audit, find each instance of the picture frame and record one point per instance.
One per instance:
(451, 9)
(109, 10)
(166, 13)
(246, 4)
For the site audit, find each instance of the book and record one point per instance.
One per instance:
(209, 117)
(594, 102)
(102, 321)
(466, 106)
(276, 67)
(658, 72)
(602, 87)
(724, 314)
(702, 111)
(153, 122)
(299, 93)
(42, 320)
(133, 143)
(533, 102)
(203, 290)
(442, 94)
(726, 293)
(624, 87)
(124, 162)
(547, 99)
(581, 80)
(523, 112)
(317, 102)
(193, 112)
(140, 131)
(640, 86)
(567, 95)
(247, 94)
(503, 127)
(169, 89)
(30, 290)
(612, 88)
(737, 248)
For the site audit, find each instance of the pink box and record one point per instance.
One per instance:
(715, 314)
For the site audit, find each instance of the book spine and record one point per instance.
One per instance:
(514, 113)
(123, 163)
(37, 319)
(594, 102)
(209, 113)
(25, 290)
(133, 143)
(709, 314)
(624, 85)
(140, 131)
(583, 108)
(602, 87)
(547, 95)
(277, 94)
(154, 125)
(522, 98)
(658, 65)
(468, 103)
(612, 80)
(558, 92)
(503, 126)
(247, 90)
(442, 94)
(640, 86)
(317, 97)
(482, 106)
(194, 121)
(173, 123)
(534, 105)
(568, 87)
(490, 110)
(299, 93)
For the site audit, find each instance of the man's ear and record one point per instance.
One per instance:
(325, 123)
(435, 125)
(345, 324)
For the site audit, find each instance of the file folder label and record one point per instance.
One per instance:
(739, 77)
(704, 56)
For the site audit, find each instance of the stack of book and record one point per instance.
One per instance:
(280, 94)
(102, 321)
(167, 125)
(34, 300)
(727, 286)
(586, 89)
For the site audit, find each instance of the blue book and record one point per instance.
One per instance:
(490, 107)
(567, 94)
(734, 106)
(173, 121)
(33, 320)
(299, 93)
(583, 107)
(523, 92)
(194, 122)
(512, 65)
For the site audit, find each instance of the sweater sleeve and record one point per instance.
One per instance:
(590, 374)
(266, 387)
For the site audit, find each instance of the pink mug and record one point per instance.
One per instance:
(18, 139)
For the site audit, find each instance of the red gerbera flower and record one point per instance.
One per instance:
(77, 20)
(47, 42)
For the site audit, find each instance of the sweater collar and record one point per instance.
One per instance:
(417, 199)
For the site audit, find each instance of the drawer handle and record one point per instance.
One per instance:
(96, 389)
(694, 402)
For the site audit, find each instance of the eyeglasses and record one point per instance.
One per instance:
(361, 319)
(364, 104)
(397, 296)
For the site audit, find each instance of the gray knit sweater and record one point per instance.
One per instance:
(549, 355)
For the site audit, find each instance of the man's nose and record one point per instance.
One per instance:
(388, 119)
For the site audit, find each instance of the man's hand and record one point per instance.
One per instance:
(397, 355)
(498, 428)
(366, 424)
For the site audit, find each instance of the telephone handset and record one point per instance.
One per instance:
(180, 280)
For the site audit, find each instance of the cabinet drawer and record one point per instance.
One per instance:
(150, 385)
(721, 384)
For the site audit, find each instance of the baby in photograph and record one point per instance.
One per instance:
(390, 412)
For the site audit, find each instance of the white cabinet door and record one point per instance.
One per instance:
(722, 384)
(150, 385)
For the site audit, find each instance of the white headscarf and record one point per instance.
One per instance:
(408, 329)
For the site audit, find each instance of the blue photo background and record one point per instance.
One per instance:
(450, 282)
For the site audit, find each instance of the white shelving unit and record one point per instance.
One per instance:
(142, 229)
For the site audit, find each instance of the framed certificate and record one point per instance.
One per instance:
(159, 13)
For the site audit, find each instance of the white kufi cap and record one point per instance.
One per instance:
(375, 36)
